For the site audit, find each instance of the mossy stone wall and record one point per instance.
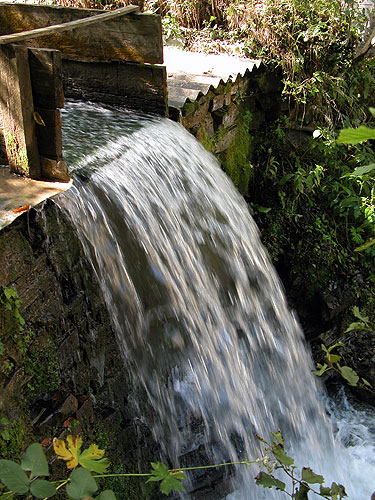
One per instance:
(226, 119)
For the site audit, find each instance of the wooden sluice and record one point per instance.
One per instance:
(47, 52)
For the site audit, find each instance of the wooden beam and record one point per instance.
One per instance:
(131, 38)
(60, 28)
(135, 86)
(17, 111)
(46, 78)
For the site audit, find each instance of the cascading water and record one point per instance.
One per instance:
(198, 311)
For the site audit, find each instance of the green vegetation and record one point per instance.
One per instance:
(90, 466)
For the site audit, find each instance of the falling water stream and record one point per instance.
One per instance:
(197, 307)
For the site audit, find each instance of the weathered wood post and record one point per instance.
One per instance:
(17, 111)
(48, 96)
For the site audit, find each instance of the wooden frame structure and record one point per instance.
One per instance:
(93, 55)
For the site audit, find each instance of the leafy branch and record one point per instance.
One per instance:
(25, 479)
(275, 458)
(332, 363)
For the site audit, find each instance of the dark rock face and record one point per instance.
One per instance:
(70, 372)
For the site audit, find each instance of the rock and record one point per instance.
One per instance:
(54, 170)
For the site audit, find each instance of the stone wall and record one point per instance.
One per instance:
(227, 118)
(63, 371)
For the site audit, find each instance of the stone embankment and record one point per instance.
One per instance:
(223, 101)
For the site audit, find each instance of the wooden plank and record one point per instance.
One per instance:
(46, 78)
(133, 38)
(60, 28)
(16, 106)
(135, 86)
(50, 134)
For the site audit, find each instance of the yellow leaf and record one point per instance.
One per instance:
(71, 454)
(93, 451)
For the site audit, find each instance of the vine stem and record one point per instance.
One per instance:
(244, 462)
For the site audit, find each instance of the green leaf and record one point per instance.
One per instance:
(41, 488)
(7, 496)
(358, 314)
(106, 495)
(322, 370)
(5, 435)
(302, 493)
(160, 471)
(171, 483)
(281, 456)
(82, 484)
(333, 358)
(372, 111)
(310, 477)
(337, 490)
(350, 375)
(268, 481)
(366, 382)
(362, 170)
(14, 477)
(92, 459)
(35, 461)
(357, 325)
(338, 344)
(324, 490)
(4, 421)
(285, 179)
(368, 244)
(279, 437)
(356, 135)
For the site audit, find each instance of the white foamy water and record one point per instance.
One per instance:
(198, 310)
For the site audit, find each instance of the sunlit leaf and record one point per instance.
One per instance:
(41, 488)
(333, 358)
(356, 135)
(310, 477)
(368, 244)
(82, 484)
(14, 477)
(366, 382)
(268, 481)
(349, 374)
(356, 325)
(92, 459)
(70, 454)
(322, 370)
(357, 314)
(362, 170)
(281, 456)
(35, 461)
(278, 436)
(39, 120)
(338, 344)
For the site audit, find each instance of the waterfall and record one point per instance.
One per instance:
(198, 310)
